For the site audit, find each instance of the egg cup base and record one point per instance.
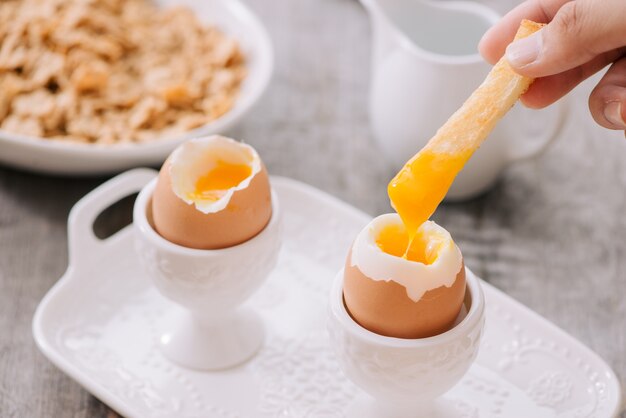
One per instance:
(212, 344)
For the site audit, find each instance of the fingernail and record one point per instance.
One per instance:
(613, 113)
(524, 51)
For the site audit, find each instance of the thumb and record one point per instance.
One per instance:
(580, 31)
(607, 101)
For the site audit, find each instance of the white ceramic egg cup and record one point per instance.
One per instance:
(406, 375)
(212, 333)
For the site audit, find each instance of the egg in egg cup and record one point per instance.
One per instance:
(405, 331)
(207, 232)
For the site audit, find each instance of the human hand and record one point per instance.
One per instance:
(581, 38)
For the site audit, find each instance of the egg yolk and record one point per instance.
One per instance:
(424, 248)
(222, 177)
(416, 191)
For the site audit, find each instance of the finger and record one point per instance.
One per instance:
(497, 38)
(547, 90)
(607, 101)
(580, 31)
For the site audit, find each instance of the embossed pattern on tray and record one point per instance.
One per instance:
(100, 325)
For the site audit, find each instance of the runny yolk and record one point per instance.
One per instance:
(222, 177)
(417, 190)
(394, 240)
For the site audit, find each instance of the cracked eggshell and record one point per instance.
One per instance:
(245, 214)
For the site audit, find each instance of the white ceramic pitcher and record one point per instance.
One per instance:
(424, 65)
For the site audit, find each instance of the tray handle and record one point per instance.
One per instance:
(81, 238)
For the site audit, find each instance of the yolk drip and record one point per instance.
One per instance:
(394, 240)
(420, 186)
(222, 177)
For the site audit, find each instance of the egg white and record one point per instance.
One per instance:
(196, 157)
(417, 278)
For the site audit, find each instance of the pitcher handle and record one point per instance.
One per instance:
(524, 149)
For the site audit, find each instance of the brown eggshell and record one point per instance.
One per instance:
(385, 308)
(247, 213)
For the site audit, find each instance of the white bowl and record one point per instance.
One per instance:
(236, 20)
(405, 372)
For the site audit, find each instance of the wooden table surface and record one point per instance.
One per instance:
(551, 233)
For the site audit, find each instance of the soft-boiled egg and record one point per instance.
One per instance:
(395, 293)
(212, 192)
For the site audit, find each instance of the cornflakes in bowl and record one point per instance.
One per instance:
(91, 86)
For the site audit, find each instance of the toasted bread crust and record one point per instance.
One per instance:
(469, 126)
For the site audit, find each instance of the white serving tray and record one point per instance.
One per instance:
(100, 325)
